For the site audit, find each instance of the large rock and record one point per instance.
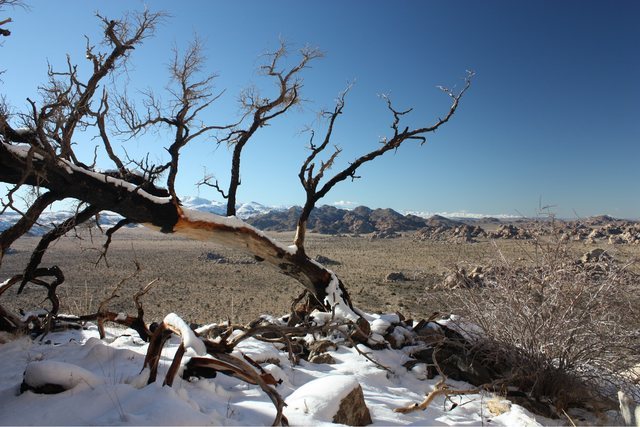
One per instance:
(342, 402)
(353, 410)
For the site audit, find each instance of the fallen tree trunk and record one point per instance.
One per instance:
(20, 164)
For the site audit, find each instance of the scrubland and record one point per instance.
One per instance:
(204, 282)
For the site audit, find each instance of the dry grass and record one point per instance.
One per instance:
(560, 329)
(204, 291)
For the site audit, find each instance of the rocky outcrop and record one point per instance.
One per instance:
(385, 234)
(445, 231)
(510, 231)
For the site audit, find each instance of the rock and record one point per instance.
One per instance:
(385, 234)
(596, 234)
(326, 261)
(395, 277)
(362, 332)
(615, 240)
(595, 255)
(343, 402)
(353, 410)
(324, 358)
(510, 231)
(498, 406)
(212, 257)
(322, 346)
(459, 278)
(612, 230)
(51, 377)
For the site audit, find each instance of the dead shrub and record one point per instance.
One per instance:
(561, 330)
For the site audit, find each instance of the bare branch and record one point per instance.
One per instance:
(396, 141)
(261, 110)
(110, 232)
(11, 234)
(48, 238)
(207, 181)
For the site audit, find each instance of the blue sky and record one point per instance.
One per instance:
(553, 113)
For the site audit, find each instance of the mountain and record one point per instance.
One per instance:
(331, 220)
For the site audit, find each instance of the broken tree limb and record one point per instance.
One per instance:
(441, 389)
(104, 192)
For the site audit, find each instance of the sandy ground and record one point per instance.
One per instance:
(200, 289)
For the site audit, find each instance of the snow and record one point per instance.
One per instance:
(67, 375)
(189, 339)
(105, 386)
(71, 168)
(308, 404)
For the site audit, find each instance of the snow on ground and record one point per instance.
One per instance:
(108, 387)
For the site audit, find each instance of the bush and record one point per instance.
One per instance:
(560, 329)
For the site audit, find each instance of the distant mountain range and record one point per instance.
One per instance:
(325, 219)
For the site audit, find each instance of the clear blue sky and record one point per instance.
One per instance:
(553, 113)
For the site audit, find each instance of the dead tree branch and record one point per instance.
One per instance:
(311, 181)
(24, 224)
(261, 110)
(51, 236)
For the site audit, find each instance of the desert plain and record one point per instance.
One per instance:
(207, 283)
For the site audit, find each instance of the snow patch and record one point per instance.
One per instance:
(189, 338)
(319, 399)
(66, 375)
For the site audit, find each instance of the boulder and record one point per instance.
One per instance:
(342, 402)
(615, 240)
(353, 410)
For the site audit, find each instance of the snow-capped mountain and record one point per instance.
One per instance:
(107, 219)
(243, 210)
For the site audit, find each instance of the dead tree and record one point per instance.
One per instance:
(40, 154)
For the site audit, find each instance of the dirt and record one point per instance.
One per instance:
(205, 283)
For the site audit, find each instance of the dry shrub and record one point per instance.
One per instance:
(562, 330)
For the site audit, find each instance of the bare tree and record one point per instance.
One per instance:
(41, 155)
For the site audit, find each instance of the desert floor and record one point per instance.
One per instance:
(193, 284)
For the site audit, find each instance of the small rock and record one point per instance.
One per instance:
(213, 257)
(322, 346)
(326, 261)
(498, 406)
(395, 277)
(324, 358)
